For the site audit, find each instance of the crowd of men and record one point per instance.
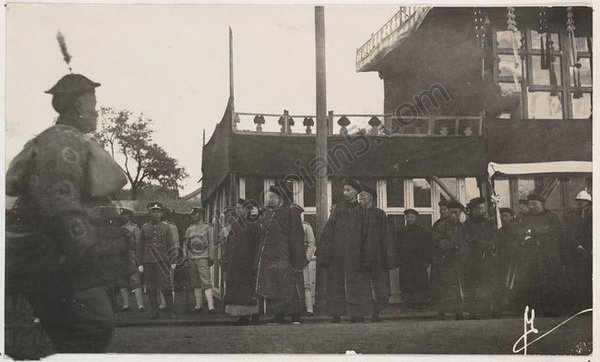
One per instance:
(65, 244)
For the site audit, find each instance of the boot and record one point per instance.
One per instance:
(308, 302)
(153, 304)
(209, 300)
(198, 296)
(169, 303)
(125, 297)
(139, 298)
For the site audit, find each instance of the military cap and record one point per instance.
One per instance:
(455, 205)
(535, 197)
(298, 207)
(475, 201)
(283, 191)
(354, 184)
(73, 84)
(443, 203)
(411, 211)
(197, 210)
(507, 210)
(155, 205)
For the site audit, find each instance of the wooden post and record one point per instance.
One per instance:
(321, 151)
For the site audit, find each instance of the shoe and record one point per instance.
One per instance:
(276, 320)
(141, 309)
(336, 319)
(357, 319)
(162, 307)
(296, 320)
(154, 315)
(242, 321)
(124, 308)
(376, 319)
(212, 311)
(197, 310)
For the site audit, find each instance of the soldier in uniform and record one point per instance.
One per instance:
(132, 282)
(580, 225)
(450, 251)
(199, 251)
(444, 213)
(155, 258)
(59, 178)
(281, 257)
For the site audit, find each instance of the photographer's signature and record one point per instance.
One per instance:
(528, 328)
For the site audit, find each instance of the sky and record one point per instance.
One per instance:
(171, 63)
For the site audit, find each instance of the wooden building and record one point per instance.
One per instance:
(477, 101)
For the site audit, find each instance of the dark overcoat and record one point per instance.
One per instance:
(414, 257)
(541, 255)
(282, 254)
(240, 253)
(482, 277)
(450, 251)
(341, 250)
(377, 238)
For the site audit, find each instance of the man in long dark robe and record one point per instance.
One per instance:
(376, 239)
(540, 281)
(281, 257)
(483, 281)
(580, 225)
(414, 258)
(450, 250)
(340, 251)
(444, 213)
(241, 249)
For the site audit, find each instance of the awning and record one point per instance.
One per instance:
(539, 168)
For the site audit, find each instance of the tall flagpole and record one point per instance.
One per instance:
(230, 63)
(322, 132)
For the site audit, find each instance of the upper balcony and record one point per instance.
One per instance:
(389, 36)
(355, 124)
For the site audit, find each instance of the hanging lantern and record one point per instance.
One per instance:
(480, 35)
(574, 58)
(511, 25)
(374, 122)
(543, 30)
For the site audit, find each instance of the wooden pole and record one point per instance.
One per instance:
(321, 152)
(230, 62)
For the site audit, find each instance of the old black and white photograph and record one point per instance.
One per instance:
(285, 180)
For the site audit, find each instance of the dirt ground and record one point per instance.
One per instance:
(389, 337)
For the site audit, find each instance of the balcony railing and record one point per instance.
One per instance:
(349, 124)
(371, 45)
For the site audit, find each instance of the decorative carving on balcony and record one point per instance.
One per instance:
(374, 122)
(286, 122)
(259, 120)
(344, 122)
(308, 123)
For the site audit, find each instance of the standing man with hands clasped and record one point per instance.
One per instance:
(153, 250)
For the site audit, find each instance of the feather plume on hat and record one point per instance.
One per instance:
(63, 49)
